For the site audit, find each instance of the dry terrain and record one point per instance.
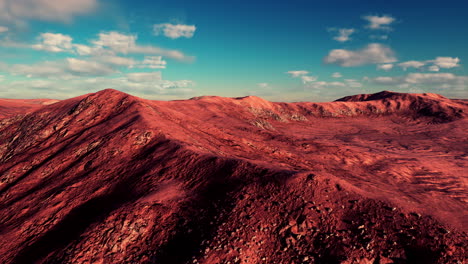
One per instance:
(112, 178)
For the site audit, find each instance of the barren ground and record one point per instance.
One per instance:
(112, 178)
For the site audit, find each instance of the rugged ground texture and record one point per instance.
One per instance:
(112, 178)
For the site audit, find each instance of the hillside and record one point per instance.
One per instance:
(112, 178)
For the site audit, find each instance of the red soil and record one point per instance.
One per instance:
(11, 107)
(112, 178)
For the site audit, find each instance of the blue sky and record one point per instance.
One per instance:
(297, 50)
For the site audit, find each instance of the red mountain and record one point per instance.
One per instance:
(112, 178)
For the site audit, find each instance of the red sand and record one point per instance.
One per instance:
(112, 178)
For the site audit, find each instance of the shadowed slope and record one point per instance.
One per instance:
(108, 177)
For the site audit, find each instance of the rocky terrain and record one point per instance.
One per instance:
(112, 178)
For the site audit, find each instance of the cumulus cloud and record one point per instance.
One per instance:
(296, 74)
(343, 34)
(325, 85)
(177, 84)
(425, 80)
(411, 64)
(302, 75)
(126, 44)
(313, 83)
(3, 29)
(263, 85)
(385, 67)
(153, 62)
(433, 65)
(428, 78)
(83, 49)
(379, 22)
(144, 77)
(373, 53)
(353, 83)
(54, 42)
(17, 11)
(44, 70)
(116, 60)
(107, 43)
(337, 75)
(83, 67)
(69, 68)
(174, 31)
(307, 79)
(385, 80)
(446, 62)
(116, 41)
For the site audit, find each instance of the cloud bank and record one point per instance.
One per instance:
(373, 53)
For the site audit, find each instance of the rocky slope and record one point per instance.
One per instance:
(112, 178)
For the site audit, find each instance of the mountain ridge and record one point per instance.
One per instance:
(385, 102)
(116, 178)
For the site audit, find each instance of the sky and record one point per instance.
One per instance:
(295, 50)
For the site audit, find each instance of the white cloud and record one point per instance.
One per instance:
(3, 29)
(427, 78)
(144, 77)
(176, 84)
(54, 42)
(83, 67)
(307, 79)
(435, 65)
(311, 81)
(83, 49)
(353, 83)
(446, 81)
(57, 42)
(379, 22)
(385, 80)
(8, 43)
(325, 85)
(44, 70)
(302, 75)
(337, 75)
(116, 41)
(67, 69)
(263, 85)
(296, 74)
(372, 54)
(126, 44)
(108, 43)
(446, 62)
(344, 34)
(385, 67)
(116, 60)
(411, 64)
(174, 31)
(17, 11)
(153, 62)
